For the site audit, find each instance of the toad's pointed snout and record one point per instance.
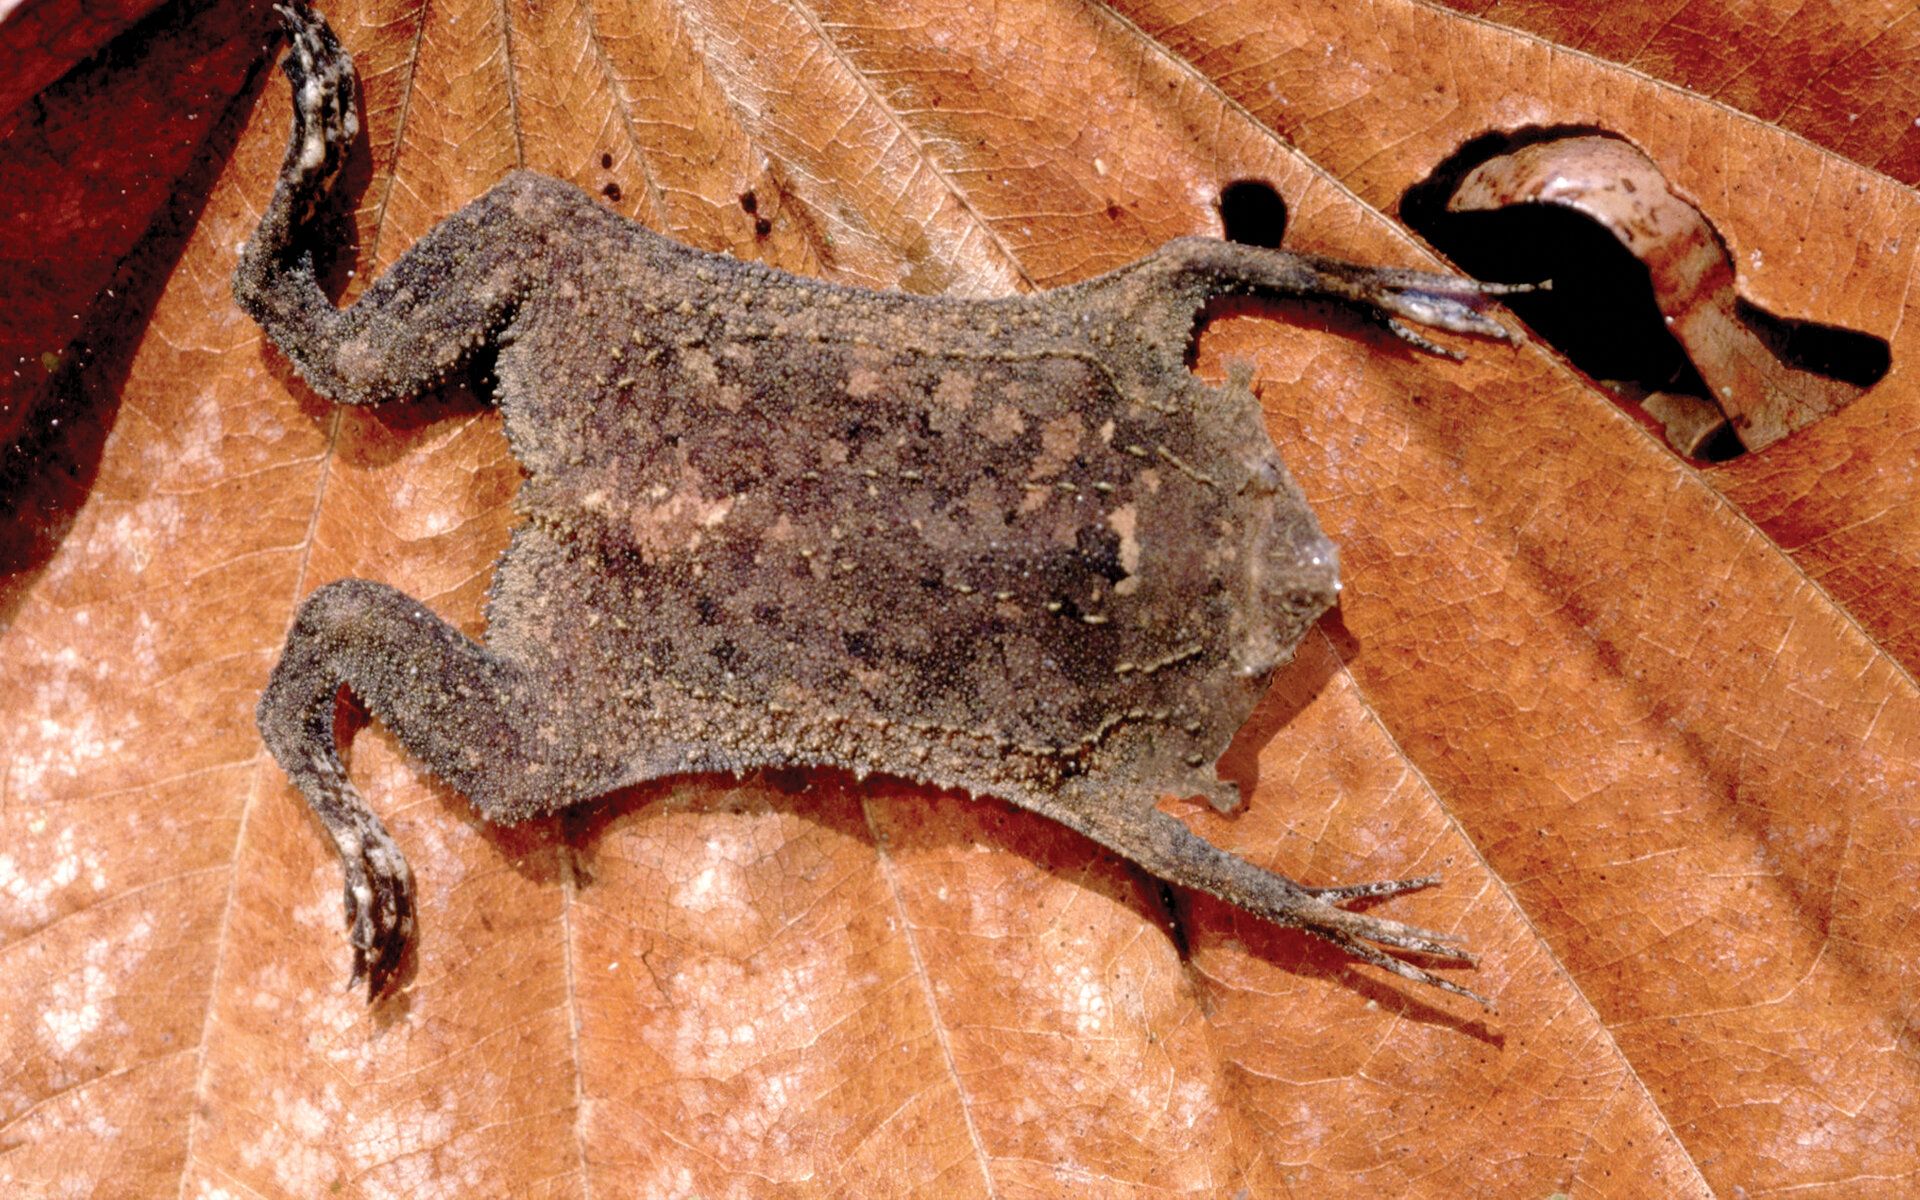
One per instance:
(1296, 577)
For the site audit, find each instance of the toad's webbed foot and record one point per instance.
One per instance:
(1315, 911)
(450, 294)
(1318, 911)
(1398, 296)
(378, 896)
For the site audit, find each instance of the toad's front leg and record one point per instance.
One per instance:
(1165, 292)
(469, 715)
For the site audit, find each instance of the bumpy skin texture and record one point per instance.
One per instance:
(1013, 547)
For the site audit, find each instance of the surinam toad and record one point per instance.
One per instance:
(1013, 547)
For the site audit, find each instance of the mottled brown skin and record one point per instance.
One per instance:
(1013, 547)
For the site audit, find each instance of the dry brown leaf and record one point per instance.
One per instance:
(41, 40)
(1657, 725)
(1840, 74)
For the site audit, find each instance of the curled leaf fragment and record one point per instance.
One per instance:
(1768, 375)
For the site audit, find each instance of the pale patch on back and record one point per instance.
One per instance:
(677, 524)
(1124, 521)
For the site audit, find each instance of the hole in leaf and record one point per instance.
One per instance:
(1674, 342)
(1252, 213)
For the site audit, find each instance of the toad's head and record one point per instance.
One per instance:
(1293, 571)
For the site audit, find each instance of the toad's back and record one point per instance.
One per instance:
(773, 542)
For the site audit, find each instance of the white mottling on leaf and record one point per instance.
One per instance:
(407, 1155)
(30, 891)
(77, 1004)
(288, 1144)
(135, 537)
(1087, 997)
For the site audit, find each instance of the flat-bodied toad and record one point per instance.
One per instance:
(1014, 546)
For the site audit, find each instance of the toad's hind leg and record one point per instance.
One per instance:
(459, 708)
(1164, 847)
(453, 290)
